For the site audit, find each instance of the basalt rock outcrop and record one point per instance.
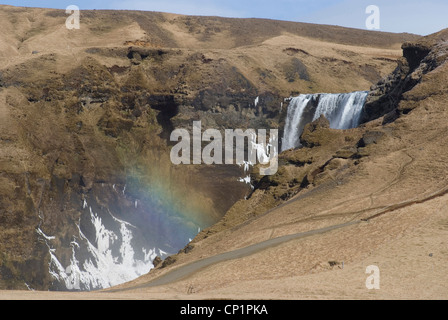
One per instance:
(419, 58)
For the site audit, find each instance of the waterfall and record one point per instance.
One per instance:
(294, 121)
(343, 110)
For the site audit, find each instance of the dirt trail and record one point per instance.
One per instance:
(189, 269)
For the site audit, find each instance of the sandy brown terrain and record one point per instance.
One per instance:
(407, 269)
(393, 190)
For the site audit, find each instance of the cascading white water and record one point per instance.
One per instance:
(293, 121)
(343, 110)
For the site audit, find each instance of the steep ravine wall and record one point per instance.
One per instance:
(94, 152)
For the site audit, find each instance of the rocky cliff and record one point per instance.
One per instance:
(389, 97)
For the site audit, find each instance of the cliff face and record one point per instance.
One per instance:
(388, 97)
(86, 117)
(99, 137)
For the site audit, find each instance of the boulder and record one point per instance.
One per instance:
(370, 137)
(157, 261)
(314, 133)
(168, 261)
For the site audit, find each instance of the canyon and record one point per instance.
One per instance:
(90, 199)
